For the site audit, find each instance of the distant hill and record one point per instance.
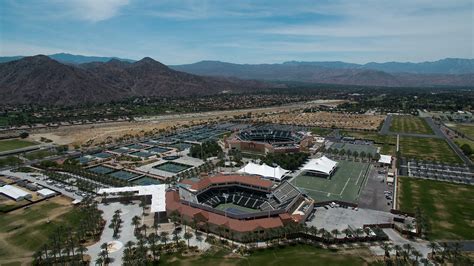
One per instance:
(42, 80)
(325, 72)
(70, 58)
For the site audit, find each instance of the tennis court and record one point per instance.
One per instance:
(145, 181)
(158, 150)
(345, 184)
(235, 209)
(102, 155)
(101, 169)
(124, 175)
(354, 147)
(142, 154)
(172, 167)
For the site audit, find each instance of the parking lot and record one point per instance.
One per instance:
(340, 218)
(377, 193)
(441, 172)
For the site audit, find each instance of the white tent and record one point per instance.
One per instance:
(276, 173)
(320, 166)
(46, 193)
(14, 192)
(385, 159)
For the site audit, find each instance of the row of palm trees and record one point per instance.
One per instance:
(349, 153)
(445, 252)
(116, 223)
(193, 172)
(65, 245)
(101, 178)
(82, 184)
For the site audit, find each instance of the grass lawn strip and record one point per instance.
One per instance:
(448, 206)
(13, 144)
(410, 124)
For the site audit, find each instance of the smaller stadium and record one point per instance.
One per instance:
(265, 141)
(239, 203)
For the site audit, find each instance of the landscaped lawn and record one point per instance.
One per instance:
(428, 149)
(462, 141)
(285, 256)
(25, 230)
(12, 144)
(448, 207)
(410, 124)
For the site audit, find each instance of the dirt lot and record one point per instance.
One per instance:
(326, 119)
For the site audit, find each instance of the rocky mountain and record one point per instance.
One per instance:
(70, 58)
(325, 72)
(40, 79)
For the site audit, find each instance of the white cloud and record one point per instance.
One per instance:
(96, 10)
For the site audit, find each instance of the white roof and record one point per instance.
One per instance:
(387, 159)
(13, 192)
(157, 192)
(264, 170)
(323, 165)
(46, 192)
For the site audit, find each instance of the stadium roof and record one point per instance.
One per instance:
(386, 159)
(157, 192)
(321, 165)
(264, 170)
(242, 179)
(13, 192)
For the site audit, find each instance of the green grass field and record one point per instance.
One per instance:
(355, 147)
(387, 143)
(345, 184)
(24, 231)
(467, 129)
(428, 149)
(12, 144)
(225, 206)
(410, 124)
(284, 256)
(449, 207)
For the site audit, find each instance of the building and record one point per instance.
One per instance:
(238, 206)
(385, 160)
(14, 193)
(320, 167)
(46, 193)
(265, 141)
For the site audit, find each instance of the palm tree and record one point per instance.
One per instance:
(81, 249)
(386, 248)
(176, 238)
(425, 261)
(397, 249)
(346, 232)
(335, 233)
(164, 237)
(434, 247)
(408, 247)
(136, 221)
(144, 228)
(416, 254)
(99, 261)
(156, 226)
(188, 236)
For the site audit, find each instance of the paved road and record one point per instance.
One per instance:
(386, 125)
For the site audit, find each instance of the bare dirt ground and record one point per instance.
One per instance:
(325, 119)
(94, 134)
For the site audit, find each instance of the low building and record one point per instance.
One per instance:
(46, 193)
(15, 193)
(385, 160)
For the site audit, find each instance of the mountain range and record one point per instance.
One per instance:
(75, 79)
(443, 66)
(42, 80)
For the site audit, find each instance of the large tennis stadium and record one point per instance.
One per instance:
(239, 204)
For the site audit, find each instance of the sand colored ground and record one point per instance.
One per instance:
(325, 119)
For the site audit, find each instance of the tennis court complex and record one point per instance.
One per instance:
(124, 175)
(354, 147)
(172, 167)
(235, 209)
(345, 184)
(101, 170)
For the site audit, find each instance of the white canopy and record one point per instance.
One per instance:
(264, 170)
(46, 192)
(322, 165)
(385, 159)
(14, 192)
(157, 192)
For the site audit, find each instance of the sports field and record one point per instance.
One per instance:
(449, 207)
(428, 149)
(172, 167)
(345, 184)
(13, 144)
(290, 255)
(410, 124)
(234, 208)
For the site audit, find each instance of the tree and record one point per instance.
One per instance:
(24, 135)
(81, 249)
(136, 220)
(434, 247)
(188, 236)
(466, 149)
(386, 248)
(416, 254)
(335, 233)
(164, 237)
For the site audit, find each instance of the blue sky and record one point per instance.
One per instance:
(178, 32)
